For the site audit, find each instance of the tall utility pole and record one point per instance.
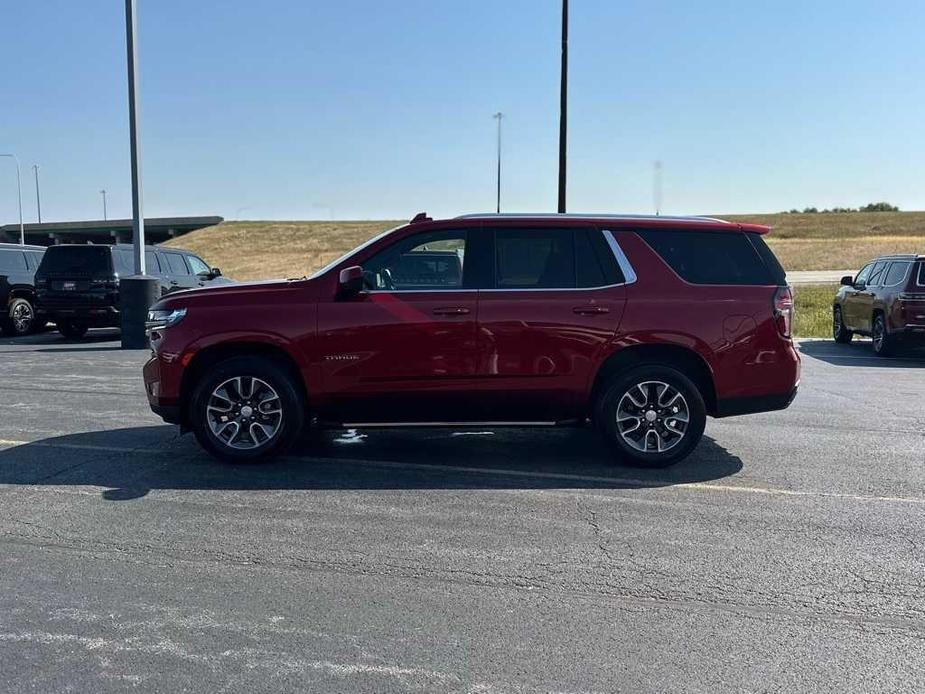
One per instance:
(137, 293)
(103, 193)
(498, 116)
(657, 187)
(138, 221)
(38, 199)
(22, 233)
(563, 106)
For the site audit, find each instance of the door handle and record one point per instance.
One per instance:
(450, 311)
(590, 310)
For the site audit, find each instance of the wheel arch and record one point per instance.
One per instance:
(221, 351)
(21, 292)
(685, 359)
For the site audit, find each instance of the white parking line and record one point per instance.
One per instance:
(529, 474)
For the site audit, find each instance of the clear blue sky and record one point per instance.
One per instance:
(300, 109)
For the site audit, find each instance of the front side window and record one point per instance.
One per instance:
(428, 261)
(896, 274)
(863, 274)
(198, 267)
(920, 279)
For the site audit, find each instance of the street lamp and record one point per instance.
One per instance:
(22, 233)
(563, 106)
(657, 187)
(38, 199)
(498, 116)
(103, 193)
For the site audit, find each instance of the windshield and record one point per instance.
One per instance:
(80, 259)
(337, 261)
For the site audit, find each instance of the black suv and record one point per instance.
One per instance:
(17, 288)
(885, 300)
(77, 287)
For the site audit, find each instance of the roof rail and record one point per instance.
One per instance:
(572, 215)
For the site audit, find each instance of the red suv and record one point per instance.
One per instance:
(642, 325)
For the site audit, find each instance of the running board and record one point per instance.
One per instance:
(456, 425)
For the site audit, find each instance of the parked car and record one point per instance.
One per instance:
(886, 301)
(643, 325)
(17, 288)
(77, 286)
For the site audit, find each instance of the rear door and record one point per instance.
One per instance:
(556, 300)
(179, 275)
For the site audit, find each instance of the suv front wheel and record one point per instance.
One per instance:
(653, 415)
(840, 333)
(246, 409)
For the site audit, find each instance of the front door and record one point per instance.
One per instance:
(851, 313)
(557, 300)
(404, 349)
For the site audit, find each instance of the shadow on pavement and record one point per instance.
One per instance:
(861, 354)
(131, 462)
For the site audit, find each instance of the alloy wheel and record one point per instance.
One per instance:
(22, 317)
(653, 417)
(877, 335)
(244, 412)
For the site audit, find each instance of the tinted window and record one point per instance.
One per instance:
(123, 261)
(12, 261)
(78, 259)
(152, 264)
(896, 273)
(534, 259)
(35, 258)
(770, 260)
(432, 260)
(176, 264)
(710, 257)
(921, 278)
(876, 274)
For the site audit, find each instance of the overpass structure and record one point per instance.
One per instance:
(157, 229)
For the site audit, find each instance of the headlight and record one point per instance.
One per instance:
(164, 318)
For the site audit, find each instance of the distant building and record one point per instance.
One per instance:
(157, 229)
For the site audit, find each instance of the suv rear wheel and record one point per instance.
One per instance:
(653, 415)
(246, 409)
(20, 319)
(841, 334)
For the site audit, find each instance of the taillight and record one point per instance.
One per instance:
(783, 310)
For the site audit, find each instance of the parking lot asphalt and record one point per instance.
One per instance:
(787, 554)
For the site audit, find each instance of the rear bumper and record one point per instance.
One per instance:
(731, 407)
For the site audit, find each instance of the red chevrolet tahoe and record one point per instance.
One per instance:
(641, 325)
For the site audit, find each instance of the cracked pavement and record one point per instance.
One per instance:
(785, 554)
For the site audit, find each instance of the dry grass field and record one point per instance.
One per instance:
(262, 250)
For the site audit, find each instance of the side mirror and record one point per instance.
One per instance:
(847, 281)
(350, 281)
(216, 272)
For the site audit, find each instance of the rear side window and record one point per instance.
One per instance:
(152, 264)
(176, 264)
(12, 261)
(770, 260)
(124, 263)
(35, 259)
(896, 274)
(711, 257)
(920, 280)
(77, 259)
(534, 259)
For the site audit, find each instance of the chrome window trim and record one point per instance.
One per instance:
(629, 274)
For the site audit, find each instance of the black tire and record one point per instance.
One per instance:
(840, 333)
(20, 318)
(884, 344)
(72, 329)
(247, 368)
(609, 403)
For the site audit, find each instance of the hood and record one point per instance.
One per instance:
(236, 293)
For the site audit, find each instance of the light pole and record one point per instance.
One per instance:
(139, 292)
(38, 199)
(22, 233)
(563, 106)
(498, 116)
(103, 193)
